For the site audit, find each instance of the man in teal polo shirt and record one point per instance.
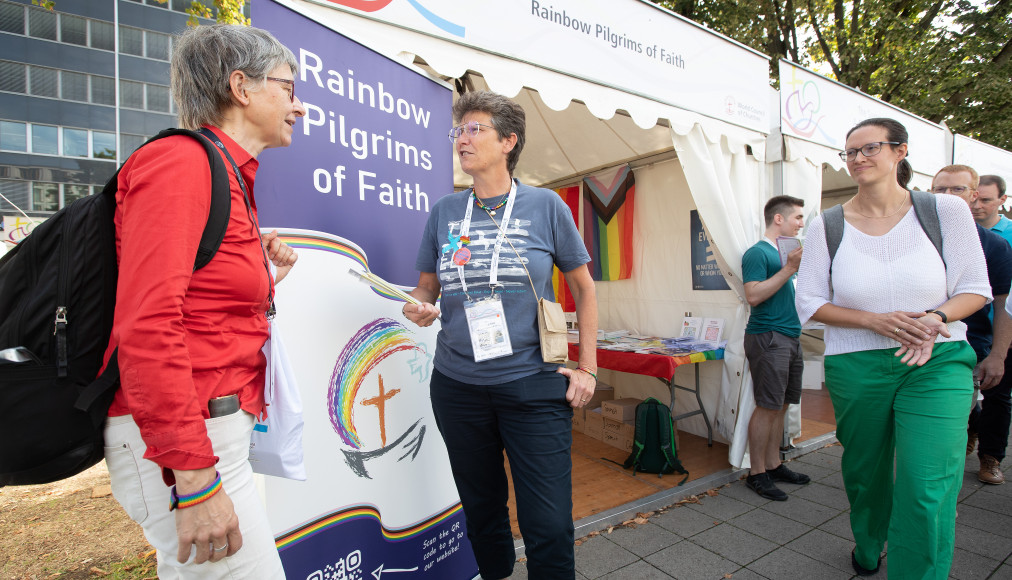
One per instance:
(990, 420)
(773, 345)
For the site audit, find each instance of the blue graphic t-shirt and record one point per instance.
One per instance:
(542, 230)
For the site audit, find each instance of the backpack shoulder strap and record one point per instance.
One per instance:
(666, 435)
(926, 208)
(221, 197)
(832, 222)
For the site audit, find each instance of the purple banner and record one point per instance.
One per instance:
(370, 157)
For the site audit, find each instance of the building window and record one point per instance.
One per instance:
(41, 23)
(16, 192)
(13, 136)
(12, 18)
(74, 86)
(103, 145)
(131, 143)
(12, 76)
(72, 192)
(131, 41)
(45, 140)
(158, 98)
(131, 94)
(43, 82)
(156, 45)
(73, 29)
(103, 35)
(103, 90)
(45, 196)
(75, 142)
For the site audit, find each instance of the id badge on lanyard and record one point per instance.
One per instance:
(486, 318)
(486, 322)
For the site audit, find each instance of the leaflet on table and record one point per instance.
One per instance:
(713, 329)
(786, 245)
(691, 326)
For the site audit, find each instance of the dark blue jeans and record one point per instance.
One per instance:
(991, 418)
(530, 419)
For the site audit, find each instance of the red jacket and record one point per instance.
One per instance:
(185, 337)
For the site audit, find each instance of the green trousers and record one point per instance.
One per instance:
(903, 431)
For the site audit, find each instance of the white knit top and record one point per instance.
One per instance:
(900, 270)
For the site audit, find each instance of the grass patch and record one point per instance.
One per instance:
(140, 567)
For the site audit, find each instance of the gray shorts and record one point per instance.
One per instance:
(776, 365)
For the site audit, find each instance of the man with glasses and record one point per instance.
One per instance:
(988, 422)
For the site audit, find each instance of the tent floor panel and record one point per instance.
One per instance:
(600, 485)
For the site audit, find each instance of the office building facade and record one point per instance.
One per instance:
(81, 87)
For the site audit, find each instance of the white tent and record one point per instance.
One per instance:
(816, 114)
(605, 83)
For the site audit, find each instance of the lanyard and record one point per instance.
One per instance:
(249, 210)
(465, 230)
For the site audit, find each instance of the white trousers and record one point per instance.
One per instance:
(137, 485)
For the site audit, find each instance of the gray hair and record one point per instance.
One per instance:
(507, 118)
(205, 56)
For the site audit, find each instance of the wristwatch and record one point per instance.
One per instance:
(945, 319)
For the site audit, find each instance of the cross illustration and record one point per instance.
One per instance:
(380, 401)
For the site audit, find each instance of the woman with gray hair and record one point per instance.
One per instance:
(491, 388)
(189, 341)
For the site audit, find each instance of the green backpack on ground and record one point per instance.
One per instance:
(654, 447)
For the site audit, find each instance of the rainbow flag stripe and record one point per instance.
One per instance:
(368, 511)
(609, 204)
(571, 196)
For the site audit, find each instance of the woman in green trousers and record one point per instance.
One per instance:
(898, 367)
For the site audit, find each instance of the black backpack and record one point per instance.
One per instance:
(654, 448)
(57, 297)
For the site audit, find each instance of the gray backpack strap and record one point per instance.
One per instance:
(926, 209)
(832, 221)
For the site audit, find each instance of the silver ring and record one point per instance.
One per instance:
(221, 549)
(898, 330)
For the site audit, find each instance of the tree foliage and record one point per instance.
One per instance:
(945, 60)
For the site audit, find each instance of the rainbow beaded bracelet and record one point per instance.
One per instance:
(184, 501)
(587, 370)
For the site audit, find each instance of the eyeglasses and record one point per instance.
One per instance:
(289, 82)
(472, 128)
(869, 150)
(956, 189)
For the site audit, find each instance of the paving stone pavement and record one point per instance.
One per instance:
(739, 535)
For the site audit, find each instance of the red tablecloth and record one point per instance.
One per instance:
(651, 365)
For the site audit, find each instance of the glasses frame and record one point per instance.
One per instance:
(457, 131)
(846, 154)
(289, 82)
(952, 189)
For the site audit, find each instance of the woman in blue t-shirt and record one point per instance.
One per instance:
(487, 254)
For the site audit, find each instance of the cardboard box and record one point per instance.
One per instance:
(619, 441)
(621, 409)
(594, 423)
(602, 393)
(623, 428)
